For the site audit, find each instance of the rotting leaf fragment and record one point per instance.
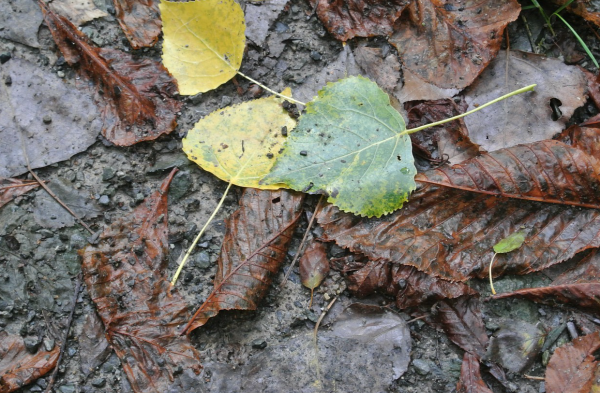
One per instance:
(136, 96)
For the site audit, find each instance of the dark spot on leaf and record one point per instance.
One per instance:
(335, 193)
(276, 200)
(310, 185)
(269, 155)
(284, 131)
(303, 153)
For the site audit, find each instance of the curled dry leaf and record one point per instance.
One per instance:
(524, 118)
(407, 285)
(448, 142)
(450, 233)
(135, 95)
(470, 376)
(18, 367)
(346, 19)
(572, 366)
(257, 237)
(449, 44)
(142, 314)
(12, 188)
(140, 21)
(314, 266)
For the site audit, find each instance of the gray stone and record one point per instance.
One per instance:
(104, 200)
(108, 173)
(68, 388)
(203, 260)
(259, 343)
(181, 185)
(422, 367)
(99, 382)
(32, 344)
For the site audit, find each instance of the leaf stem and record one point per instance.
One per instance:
(189, 251)
(271, 91)
(490, 273)
(437, 123)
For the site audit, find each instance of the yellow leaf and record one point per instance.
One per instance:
(240, 143)
(203, 42)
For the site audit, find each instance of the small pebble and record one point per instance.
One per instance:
(47, 119)
(259, 343)
(99, 382)
(4, 57)
(60, 74)
(421, 367)
(32, 344)
(104, 200)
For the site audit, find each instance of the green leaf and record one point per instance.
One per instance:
(348, 145)
(510, 243)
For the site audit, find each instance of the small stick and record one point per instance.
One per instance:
(417, 318)
(534, 377)
(66, 337)
(302, 243)
(323, 313)
(30, 183)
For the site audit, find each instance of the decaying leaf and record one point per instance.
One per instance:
(416, 89)
(447, 142)
(314, 266)
(12, 188)
(142, 314)
(515, 345)
(256, 240)
(346, 142)
(18, 367)
(470, 376)
(588, 10)
(462, 321)
(545, 171)
(20, 21)
(135, 95)
(203, 42)
(140, 21)
(346, 19)
(77, 11)
(449, 44)
(93, 346)
(450, 233)
(72, 118)
(524, 118)
(240, 143)
(572, 366)
(407, 285)
(385, 70)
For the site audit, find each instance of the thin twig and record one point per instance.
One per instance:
(66, 337)
(417, 318)
(323, 313)
(534, 377)
(302, 243)
(529, 35)
(28, 184)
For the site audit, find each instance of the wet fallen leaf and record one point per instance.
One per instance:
(588, 10)
(346, 19)
(462, 321)
(77, 11)
(143, 316)
(593, 86)
(346, 142)
(259, 18)
(572, 366)
(515, 345)
(240, 143)
(203, 42)
(314, 266)
(523, 119)
(416, 89)
(448, 142)
(470, 376)
(20, 21)
(140, 21)
(385, 70)
(407, 285)
(256, 240)
(12, 188)
(93, 347)
(449, 44)
(450, 233)
(55, 120)
(135, 96)
(18, 367)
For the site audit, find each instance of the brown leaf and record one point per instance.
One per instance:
(545, 171)
(593, 86)
(585, 137)
(135, 94)
(140, 21)
(143, 316)
(588, 10)
(12, 188)
(409, 286)
(470, 376)
(314, 265)
(450, 233)
(18, 367)
(449, 43)
(257, 237)
(346, 19)
(572, 366)
(462, 321)
(448, 142)
(385, 70)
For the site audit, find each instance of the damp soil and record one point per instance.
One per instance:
(39, 240)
